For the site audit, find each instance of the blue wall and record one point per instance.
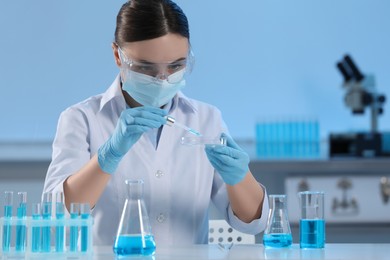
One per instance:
(254, 59)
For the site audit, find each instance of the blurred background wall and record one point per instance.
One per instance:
(255, 60)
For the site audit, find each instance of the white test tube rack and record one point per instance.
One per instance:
(31, 223)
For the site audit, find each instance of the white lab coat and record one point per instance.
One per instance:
(179, 180)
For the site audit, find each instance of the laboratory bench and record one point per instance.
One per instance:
(257, 251)
(28, 174)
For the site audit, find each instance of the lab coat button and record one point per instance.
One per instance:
(161, 218)
(159, 174)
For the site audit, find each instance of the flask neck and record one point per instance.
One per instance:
(278, 203)
(135, 189)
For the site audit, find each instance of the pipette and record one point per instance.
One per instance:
(172, 122)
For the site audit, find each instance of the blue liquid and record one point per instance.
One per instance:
(7, 229)
(192, 131)
(60, 234)
(84, 234)
(36, 236)
(21, 230)
(277, 240)
(46, 240)
(126, 245)
(73, 234)
(46, 237)
(312, 233)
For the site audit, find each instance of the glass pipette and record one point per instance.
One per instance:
(172, 122)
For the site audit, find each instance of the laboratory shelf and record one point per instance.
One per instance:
(336, 166)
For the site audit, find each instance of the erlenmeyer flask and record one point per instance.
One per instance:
(277, 232)
(134, 236)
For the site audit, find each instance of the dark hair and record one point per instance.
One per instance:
(139, 20)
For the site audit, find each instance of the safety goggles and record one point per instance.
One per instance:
(159, 71)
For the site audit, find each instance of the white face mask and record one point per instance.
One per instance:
(148, 90)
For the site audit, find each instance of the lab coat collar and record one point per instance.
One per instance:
(114, 92)
(184, 102)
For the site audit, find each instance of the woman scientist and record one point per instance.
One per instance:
(121, 134)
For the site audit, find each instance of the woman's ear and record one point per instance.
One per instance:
(115, 51)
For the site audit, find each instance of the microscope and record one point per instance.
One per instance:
(360, 94)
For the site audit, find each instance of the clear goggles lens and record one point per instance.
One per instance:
(159, 71)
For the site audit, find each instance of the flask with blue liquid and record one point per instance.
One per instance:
(134, 236)
(277, 233)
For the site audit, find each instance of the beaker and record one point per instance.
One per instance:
(312, 223)
(278, 232)
(134, 236)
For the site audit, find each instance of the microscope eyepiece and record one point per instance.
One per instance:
(356, 74)
(346, 74)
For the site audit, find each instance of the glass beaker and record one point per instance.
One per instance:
(134, 236)
(278, 232)
(312, 223)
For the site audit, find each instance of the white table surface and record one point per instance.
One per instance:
(257, 251)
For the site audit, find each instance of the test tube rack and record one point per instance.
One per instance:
(30, 223)
(288, 139)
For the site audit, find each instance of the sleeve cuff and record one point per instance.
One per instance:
(256, 226)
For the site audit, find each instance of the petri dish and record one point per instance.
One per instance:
(202, 140)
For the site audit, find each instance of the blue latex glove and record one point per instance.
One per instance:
(132, 123)
(230, 161)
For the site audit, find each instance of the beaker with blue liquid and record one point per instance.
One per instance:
(277, 233)
(134, 236)
(312, 222)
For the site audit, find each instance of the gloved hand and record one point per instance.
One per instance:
(230, 161)
(132, 123)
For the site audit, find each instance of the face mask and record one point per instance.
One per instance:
(148, 90)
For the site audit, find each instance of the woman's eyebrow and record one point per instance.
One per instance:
(148, 62)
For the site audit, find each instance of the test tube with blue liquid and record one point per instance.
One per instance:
(36, 230)
(74, 214)
(60, 214)
(7, 217)
(21, 228)
(85, 212)
(46, 214)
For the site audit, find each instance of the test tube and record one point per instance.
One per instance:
(46, 215)
(60, 214)
(21, 228)
(74, 214)
(7, 216)
(36, 231)
(85, 212)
